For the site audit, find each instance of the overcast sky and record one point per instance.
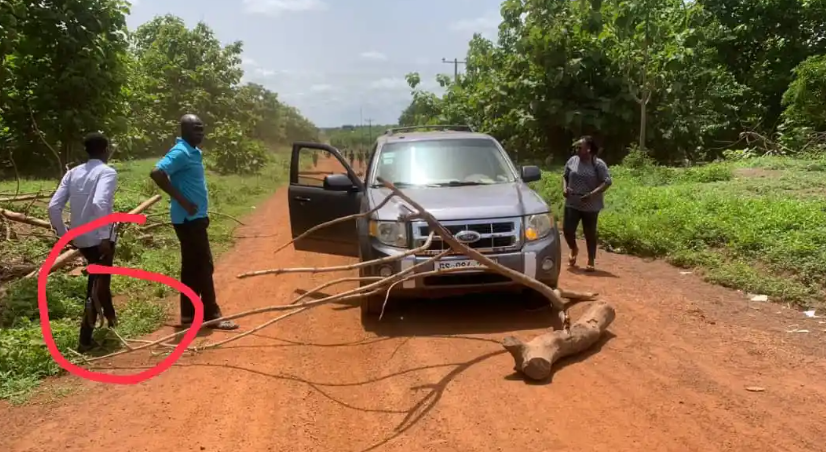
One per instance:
(333, 58)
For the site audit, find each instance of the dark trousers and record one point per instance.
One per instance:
(589, 227)
(99, 287)
(197, 268)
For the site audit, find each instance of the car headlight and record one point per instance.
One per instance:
(391, 233)
(538, 226)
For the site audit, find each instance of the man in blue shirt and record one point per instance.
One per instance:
(181, 175)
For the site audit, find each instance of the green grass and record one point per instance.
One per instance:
(758, 225)
(24, 359)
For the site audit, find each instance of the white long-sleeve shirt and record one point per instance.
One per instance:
(90, 190)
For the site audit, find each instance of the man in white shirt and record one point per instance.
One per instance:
(90, 189)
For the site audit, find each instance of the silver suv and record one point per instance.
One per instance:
(465, 179)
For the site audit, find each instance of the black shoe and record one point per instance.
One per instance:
(83, 348)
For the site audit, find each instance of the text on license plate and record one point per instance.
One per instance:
(469, 264)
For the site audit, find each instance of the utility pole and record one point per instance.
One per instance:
(369, 130)
(455, 64)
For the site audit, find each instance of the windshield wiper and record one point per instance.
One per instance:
(397, 184)
(458, 183)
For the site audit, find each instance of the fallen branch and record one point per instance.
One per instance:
(26, 197)
(535, 358)
(333, 282)
(42, 137)
(383, 260)
(7, 228)
(22, 218)
(227, 216)
(67, 257)
(357, 293)
(463, 249)
(155, 225)
(336, 221)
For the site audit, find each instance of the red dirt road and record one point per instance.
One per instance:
(671, 376)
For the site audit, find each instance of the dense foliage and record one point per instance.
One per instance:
(71, 66)
(681, 80)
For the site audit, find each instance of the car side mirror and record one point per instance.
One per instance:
(338, 182)
(531, 173)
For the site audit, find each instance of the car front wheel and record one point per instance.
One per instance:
(371, 307)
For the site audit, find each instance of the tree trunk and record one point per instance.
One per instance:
(535, 358)
(21, 218)
(643, 112)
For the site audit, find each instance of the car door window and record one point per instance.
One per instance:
(316, 164)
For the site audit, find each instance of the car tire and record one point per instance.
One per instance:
(371, 307)
(533, 300)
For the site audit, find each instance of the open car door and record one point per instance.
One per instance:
(323, 187)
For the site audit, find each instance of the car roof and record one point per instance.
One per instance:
(439, 135)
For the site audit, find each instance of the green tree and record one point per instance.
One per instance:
(179, 71)
(804, 119)
(62, 67)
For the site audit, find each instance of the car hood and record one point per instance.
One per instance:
(464, 203)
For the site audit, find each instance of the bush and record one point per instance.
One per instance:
(230, 152)
(637, 158)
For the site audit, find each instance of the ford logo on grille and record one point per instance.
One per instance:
(468, 236)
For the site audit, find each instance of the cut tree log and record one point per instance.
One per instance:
(23, 218)
(535, 358)
(67, 257)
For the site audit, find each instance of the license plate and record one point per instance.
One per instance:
(469, 264)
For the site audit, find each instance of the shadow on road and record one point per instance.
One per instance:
(469, 314)
(412, 415)
(597, 273)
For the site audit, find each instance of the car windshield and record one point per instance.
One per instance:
(452, 162)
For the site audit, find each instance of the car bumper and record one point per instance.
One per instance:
(539, 259)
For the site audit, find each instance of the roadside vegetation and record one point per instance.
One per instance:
(24, 359)
(757, 225)
(73, 68)
(710, 115)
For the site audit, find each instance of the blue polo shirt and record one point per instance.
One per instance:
(184, 164)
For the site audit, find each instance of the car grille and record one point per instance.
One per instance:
(497, 236)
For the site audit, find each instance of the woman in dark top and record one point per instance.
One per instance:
(586, 178)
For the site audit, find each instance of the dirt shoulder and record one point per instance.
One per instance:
(671, 376)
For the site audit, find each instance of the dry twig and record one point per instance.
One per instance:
(344, 296)
(227, 216)
(42, 137)
(383, 260)
(20, 198)
(336, 221)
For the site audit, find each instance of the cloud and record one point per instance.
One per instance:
(264, 72)
(321, 88)
(389, 84)
(484, 24)
(249, 62)
(277, 7)
(373, 55)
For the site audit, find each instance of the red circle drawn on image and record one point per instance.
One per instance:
(43, 307)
